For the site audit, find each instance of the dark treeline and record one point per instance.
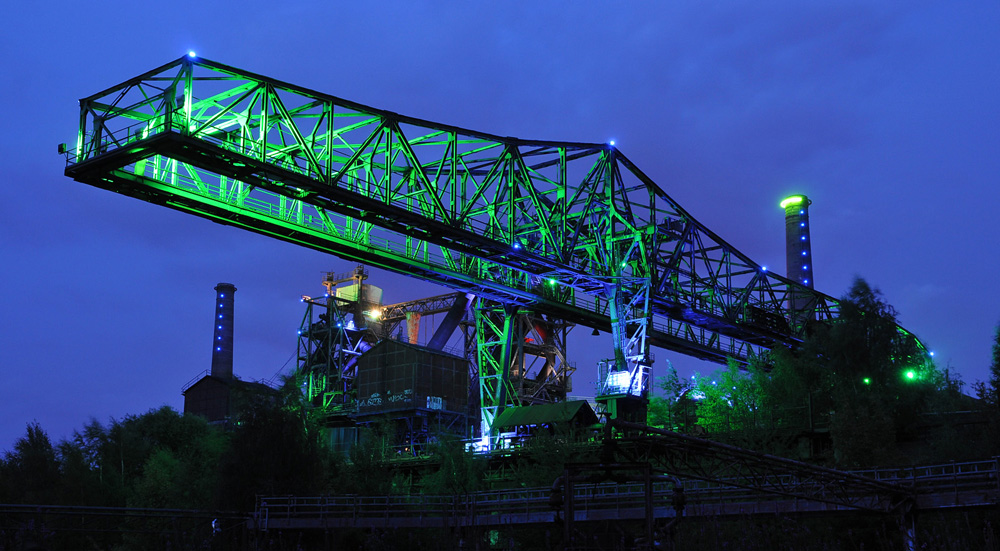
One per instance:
(856, 394)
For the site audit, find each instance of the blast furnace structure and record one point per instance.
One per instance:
(363, 363)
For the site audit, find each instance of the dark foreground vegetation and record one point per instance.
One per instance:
(855, 395)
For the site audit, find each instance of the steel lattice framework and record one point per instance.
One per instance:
(571, 230)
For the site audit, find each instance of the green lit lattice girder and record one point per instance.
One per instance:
(546, 225)
(495, 355)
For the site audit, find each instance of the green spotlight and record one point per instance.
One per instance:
(867, 380)
(552, 282)
(789, 201)
(911, 374)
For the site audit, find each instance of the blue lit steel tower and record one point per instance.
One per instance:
(798, 252)
(222, 339)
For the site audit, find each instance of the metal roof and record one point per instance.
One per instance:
(578, 411)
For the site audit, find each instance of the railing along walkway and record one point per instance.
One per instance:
(968, 484)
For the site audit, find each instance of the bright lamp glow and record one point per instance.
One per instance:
(191, 54)
(790, 201)
(618, 383)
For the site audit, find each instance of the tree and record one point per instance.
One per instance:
(747, 406)
(461, 471)
(861, 376)
(674, 408)
(273, 451)
(30, 473)
(995, 366)
(871, 377)
(989, 392)
(989, 396)
(81, 483)
(367, 472)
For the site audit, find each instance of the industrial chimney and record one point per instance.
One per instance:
(798, 251)
(222, 340)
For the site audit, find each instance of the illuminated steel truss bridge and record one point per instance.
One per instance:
(572, 231)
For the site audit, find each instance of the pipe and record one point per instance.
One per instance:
(451, 321)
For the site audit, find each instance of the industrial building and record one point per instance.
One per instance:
(216, 394)
(361, 363)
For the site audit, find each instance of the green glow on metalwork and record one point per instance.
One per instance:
(793, 200)
(430, 173)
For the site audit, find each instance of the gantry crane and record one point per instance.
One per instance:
(567, 231)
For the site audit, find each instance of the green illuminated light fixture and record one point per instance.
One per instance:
(791, 201)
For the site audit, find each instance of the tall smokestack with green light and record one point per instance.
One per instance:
(798, 251)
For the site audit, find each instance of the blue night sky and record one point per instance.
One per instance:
(886, 114)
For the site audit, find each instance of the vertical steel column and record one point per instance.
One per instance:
(494, 354)
(630, 318)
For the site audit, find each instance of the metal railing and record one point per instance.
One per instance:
(945, 485)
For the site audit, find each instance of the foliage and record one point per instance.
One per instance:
(847, 380)
(544, 457)
(878, 379)
(989, 391)
(30, 473)
(675, 408)
(273, 450)
(861, 378)
(995, 365)
(461, 471)
(366, 472)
